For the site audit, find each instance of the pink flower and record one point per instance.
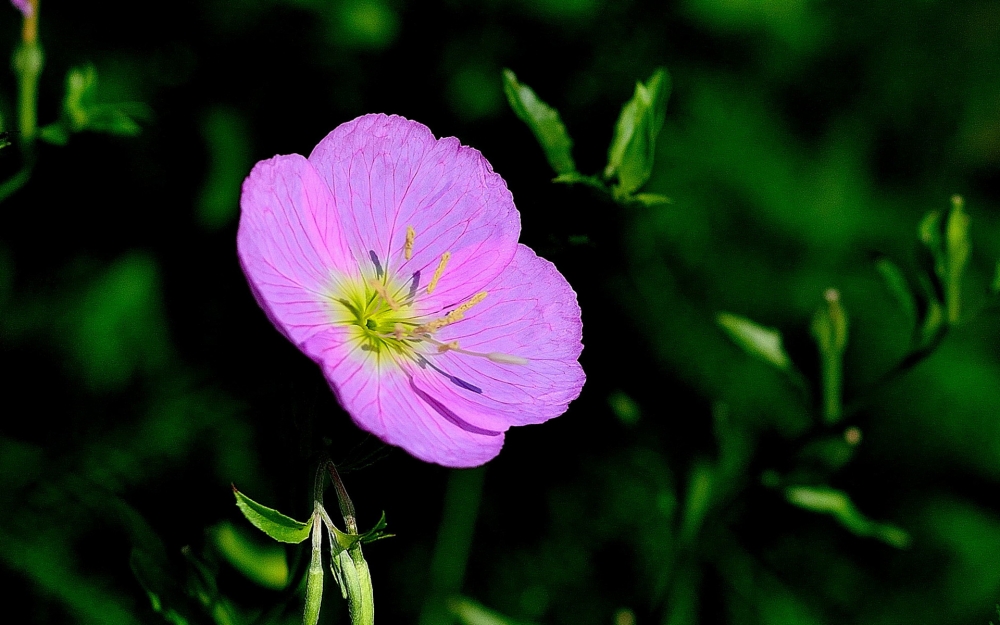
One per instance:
(24, 6)
(391, 259)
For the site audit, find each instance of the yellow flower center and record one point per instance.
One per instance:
(384, 316)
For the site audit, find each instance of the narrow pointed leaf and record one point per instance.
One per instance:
(544, 122)
(755, 339)
(575, 177)
(651, 199)
(377, 532)
(898, 287)
(826, 500)
(697, 501)
(276, 525)
(932, 257)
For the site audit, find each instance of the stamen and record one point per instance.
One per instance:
(459, 312)
(499, 357)
(437, 272)
(506, 359)
(411, 234)
(431, 326)
(399, 331)
(436, 324)
(383, 293)
(443, 347)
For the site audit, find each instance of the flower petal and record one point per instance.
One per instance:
(290, 245)
(382, 399)
(23, 6)
(530, 313)
(387, 173)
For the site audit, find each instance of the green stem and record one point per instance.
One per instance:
(831, 366)
(451, 553)
(27, 64)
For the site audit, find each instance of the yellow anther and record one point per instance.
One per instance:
(399, 331)
(459, 312)
(383, 293)
(431, 326)
(434, 325)
(443, 347)
(437, 272)
(411, 234)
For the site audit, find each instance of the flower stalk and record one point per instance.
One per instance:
(27, 65)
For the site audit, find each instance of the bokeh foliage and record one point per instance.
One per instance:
(693, 481)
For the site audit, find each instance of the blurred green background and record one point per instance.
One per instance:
(803, 142)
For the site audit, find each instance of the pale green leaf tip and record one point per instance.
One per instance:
(268, 520)
(755, 339)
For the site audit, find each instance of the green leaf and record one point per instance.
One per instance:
(651, 199)
(755, 339)
(575, 177)
(957, 250)
(995, 287)
(276, 525)
(898, 287)
(826, 500)
(697, 501)
(544, 122)
(625, 408)
(82, 111)
(469, 612)
(377, 532)
(264, 564)
(630, 155)
(55, 133)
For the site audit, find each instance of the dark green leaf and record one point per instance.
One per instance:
(54, 133)
(898, 287)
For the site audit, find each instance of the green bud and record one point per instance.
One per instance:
(314, 578)
(829, 329)
(958, 247)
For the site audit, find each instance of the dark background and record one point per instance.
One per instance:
(803, 140)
